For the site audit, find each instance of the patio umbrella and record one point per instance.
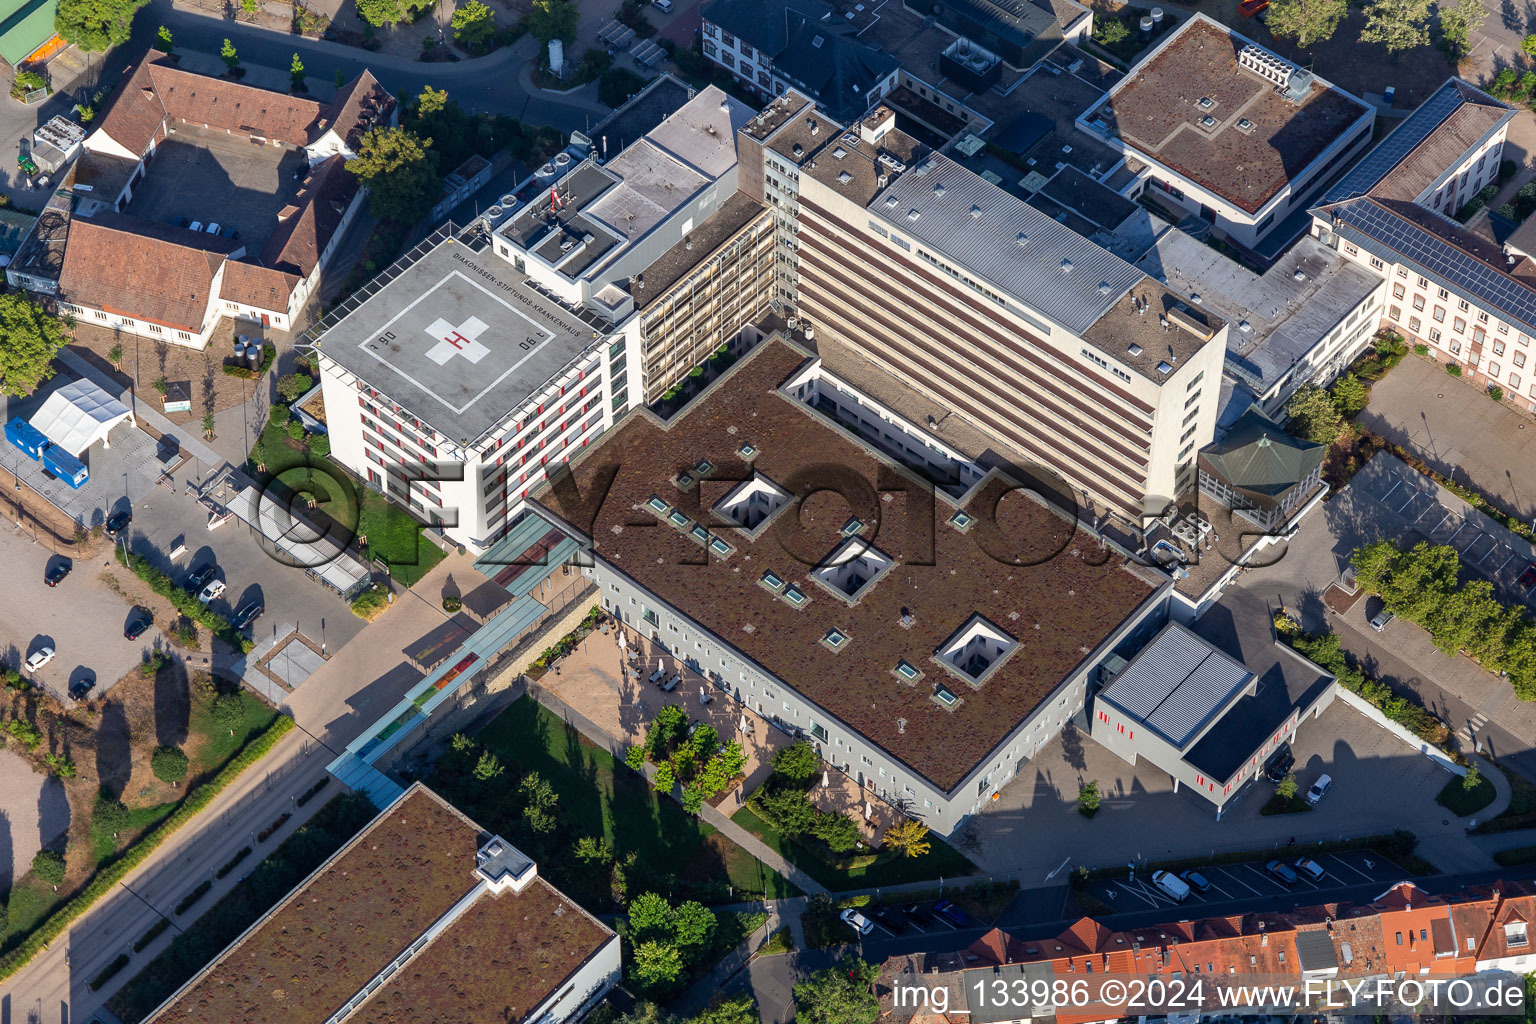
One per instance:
(743, 725)
(658, 663)
(869, 810)
(826, 780)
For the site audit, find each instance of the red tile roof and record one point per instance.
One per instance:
(296, 245)
(361, 104)
(253, 285)
(137, 268)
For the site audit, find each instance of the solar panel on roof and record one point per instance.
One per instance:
(1437, 258)
(1380, 161)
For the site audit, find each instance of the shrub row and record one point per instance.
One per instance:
(190, 899)
(184, 602)
(233, 862)
(152, 934)
(115, 871)
(108, 971)
(310, 793)
(1324, 648)
(266, 833)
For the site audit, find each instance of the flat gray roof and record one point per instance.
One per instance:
(988, 242)
(459, 339)
(1177, 685)
(1285, 317)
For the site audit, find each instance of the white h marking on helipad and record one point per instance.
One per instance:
(457, 341)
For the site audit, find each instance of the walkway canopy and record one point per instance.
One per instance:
(78, 415)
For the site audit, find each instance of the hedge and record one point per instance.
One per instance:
(184, 601)
(115, 871)
(190, 899)
(233, 862)
(108, 971)
(152, 934)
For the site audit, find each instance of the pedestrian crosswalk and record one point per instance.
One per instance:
(1473, 729)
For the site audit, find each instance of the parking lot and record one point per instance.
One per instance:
(1231, 882)
(1410, 507)
(80, 619)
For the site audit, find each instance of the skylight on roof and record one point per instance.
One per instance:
(852, 526)
(976, 650)
(658, 506)
(747, 451)
(853, 567)
(908, 671)
(795, 596)
(961, 520)
(835, 638)
(772, 580)
(946, 697)
(752, 503)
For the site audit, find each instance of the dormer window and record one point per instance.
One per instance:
(1514, 933)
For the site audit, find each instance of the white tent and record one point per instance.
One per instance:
(78, 415)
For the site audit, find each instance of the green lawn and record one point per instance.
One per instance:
(394, 535)
(209, 745)
(104, 844)
(1461, 801)
(887, 868)
(674, 854)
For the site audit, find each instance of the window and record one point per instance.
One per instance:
(1376, 263)
(1462, 305)
(1423, 282)
(1514, 933)
(1519, 358)
(1418, 303)
(1434, 334)
(1351, 250)
(1493, 369)
(835, 638)
(907, 670)
(1413, 324)
(1398, 291)
(1439, 314)
(1498, 348)
(1514, 381)
(649, 616)
(1395, 312)
(1459, 325)
(1443, 294)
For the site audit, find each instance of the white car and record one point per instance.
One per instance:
(212, 592)
(39, 658)
(1318, 789)
(857, 921)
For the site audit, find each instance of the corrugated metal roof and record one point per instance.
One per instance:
(978, 226)
(1176, 684)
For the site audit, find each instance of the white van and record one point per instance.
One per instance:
(1171, 884)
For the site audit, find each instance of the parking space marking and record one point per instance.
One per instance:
(1218, 888)
(1350, 866)
(1140, 894)
(1262, 876)
(1232, 877)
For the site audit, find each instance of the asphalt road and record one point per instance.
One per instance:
(491, 84)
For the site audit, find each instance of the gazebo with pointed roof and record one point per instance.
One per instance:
(1259, 470)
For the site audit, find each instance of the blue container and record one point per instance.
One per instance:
(26, 437)
(65, 466)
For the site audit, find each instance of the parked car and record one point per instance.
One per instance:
(1282, 872)
(118, 522)
(1528, 578)
(1380, 619)
(198, 578)
(249, 614)
(56, 573)
(664, 6)
(212, 592)
(953, 914)
(1311, 868)
(38, 658)
(918, 916)
(81, 687)
(136, 628)
(890, 919)
(1172, 885)
(1195, 880)
(857, 921)
(1280, 764)
(1319, 788)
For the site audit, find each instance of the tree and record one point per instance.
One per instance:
(229, 55)
(591, 850)
(797, 764)
(635, 757)
(693, 799)
(1373, 565)
(838, 831)
(788, 810)
(910, 838)
(705, 741)
(1470, 781)
(1088, 798)
(474, 24)
(669, 727)
(33, 336)
(693, 925)
(1286, 789)
(540, 802)
(296, 74)
(109, 815)
(1528, 44)
(165, 40)
(655, 964)
(651, 917)
(735, 1010)
(49, 866)
(488, 767)
(115, 353)
(398, 169)
(379, 13)
(665, 778)
(1349, 393)
(839, 995)
(228, 711)
(553, 19)
(292, 385)
(208, 424)
(169, 764)
(1457, 23)
(1397, 24)
(96, 24)
(1307, 21)
(1110, 31)
(1313, 415)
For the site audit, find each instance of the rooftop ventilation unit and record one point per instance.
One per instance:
(1244, 125)
(1207, 122)
(1022, 239)
(892, 201)
(1205, 103)
(1266, 65)
(938, 188)
(975, 210)
(914, 213)
(1134, 349)
(1066, 265)
(1103, 287)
